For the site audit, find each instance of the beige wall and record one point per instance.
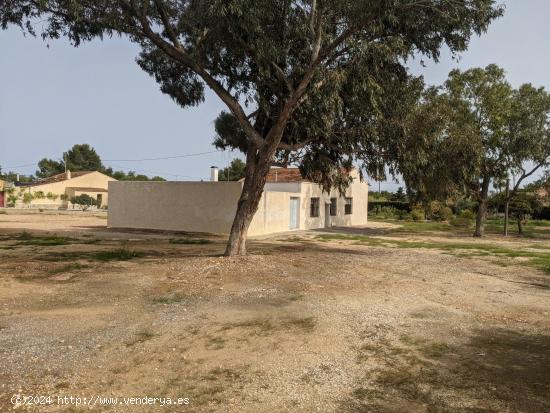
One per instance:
(211, 206)
(177, 206)
(273, 213)
(358, 191)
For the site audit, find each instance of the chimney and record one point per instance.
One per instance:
(68, 174)
(214, 174)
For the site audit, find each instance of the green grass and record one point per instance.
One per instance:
(533, 228)
(26, 238)
(425, 226)
(120, 254)
(186, 240)
(168, 299)
(538, 259)
(68, 268)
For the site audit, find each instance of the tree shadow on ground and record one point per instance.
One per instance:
(496, 370)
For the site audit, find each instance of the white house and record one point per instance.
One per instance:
(289, 202)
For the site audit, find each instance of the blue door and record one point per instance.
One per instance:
(294, 213)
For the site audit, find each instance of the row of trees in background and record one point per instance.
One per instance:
(472, 134)
(81, 157)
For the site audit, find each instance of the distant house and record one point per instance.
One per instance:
(57, 191)
(2, 193)
(289, 202)
(543, 193)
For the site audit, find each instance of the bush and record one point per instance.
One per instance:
(443, 214)
(461, 222)
(386, 212)
(404, 215)
(85, 201)
(439, 212)
(398, 205)
(418, 215)
(27, 198)
(467, 214)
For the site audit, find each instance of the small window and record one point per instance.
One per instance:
(314, 207)
(332, 207)
(348, 208)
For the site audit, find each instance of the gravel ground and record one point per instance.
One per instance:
(299, 325)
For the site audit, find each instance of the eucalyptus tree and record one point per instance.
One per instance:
(436, 158)
(296, 75)
(528, 143)
(482, 105)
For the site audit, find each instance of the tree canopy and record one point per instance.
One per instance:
(233, 172)
(473, 132)
(83, 157)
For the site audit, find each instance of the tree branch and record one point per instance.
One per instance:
(182, 56)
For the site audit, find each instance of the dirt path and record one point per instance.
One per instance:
(299, 325)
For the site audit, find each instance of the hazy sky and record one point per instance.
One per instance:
(52, 98)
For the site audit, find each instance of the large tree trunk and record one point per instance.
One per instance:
(257, 168)
(482, 208)
(520, 225)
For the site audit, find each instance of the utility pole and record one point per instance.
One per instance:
(506, 206)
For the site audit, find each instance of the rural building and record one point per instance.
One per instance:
(56, 191)
(2, 193)
(289, 202)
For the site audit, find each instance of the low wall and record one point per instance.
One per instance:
(175, 206)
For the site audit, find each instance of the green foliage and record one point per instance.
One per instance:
(523, 206)
(121, 254)
(439, 212)
(400, 195)
(12, 199)
(190, 241)
(399, 205)
(471, 132)
(39, 195)
(85, 201)
(418, 214)
(83, 157)
(384, 212)
(467, 214)
(27, 198)
(52, 196)
(461, 222)
(131, 176)
(233, 172)
(49, 167)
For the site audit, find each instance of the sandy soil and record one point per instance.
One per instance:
(298, 325)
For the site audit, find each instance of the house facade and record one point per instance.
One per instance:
(289, 202)
(56, 191)
(2, 194)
